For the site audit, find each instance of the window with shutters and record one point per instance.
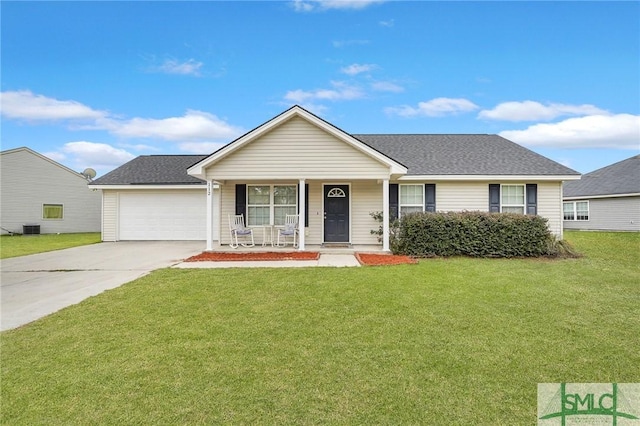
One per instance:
(411, 199)
(512, 199)
(269, 204)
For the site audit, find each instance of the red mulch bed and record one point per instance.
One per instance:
(383, 259)
(267, 255)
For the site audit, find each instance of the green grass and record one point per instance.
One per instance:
(447, 341)
(22, 245)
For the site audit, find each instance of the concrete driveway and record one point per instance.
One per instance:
(40, 284)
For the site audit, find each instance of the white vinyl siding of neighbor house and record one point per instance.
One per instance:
(294, 150)
(28, 181)
(461, 196)
(611, 214)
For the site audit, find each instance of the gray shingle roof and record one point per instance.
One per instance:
(622, 177)
(154, 170)
(463, 155)
(421, 154)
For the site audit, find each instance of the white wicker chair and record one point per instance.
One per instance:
(240, 234)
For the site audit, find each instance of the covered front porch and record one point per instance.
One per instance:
(331, 216)
(297, 163)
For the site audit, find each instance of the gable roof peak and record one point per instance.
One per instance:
(198, 169)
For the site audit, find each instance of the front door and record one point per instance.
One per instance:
(336, 213)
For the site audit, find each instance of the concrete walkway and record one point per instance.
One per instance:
(326, 259)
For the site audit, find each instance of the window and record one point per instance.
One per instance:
(269, 204)
(258, 205)
(285, 202)
(411, 199)
(52, 211)
(575, 210)
(582, 210)
(568, 211)
(512, 199)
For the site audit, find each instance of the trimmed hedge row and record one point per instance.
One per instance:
(477, 234)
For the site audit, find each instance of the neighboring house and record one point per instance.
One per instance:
(297, 162)
(35, 190)
(605, 199)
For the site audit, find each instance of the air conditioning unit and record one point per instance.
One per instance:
(31, 229)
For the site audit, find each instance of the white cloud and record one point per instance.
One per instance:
(55, 156)
(172, 66)
(345, 43)
(97, 155)
(434, 108)
(313, 5)
(386, 86)
(302, 6)
(24, 105)
(620, 131)
(193, 126)
(390, 23)
(139, 147)
(200, 147)
(354, 69)
(535, 111)
(341, 91)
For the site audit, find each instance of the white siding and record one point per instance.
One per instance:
(27, 181)
(550, 205)
(316, 214)
(297, 149)
(228, 207)
(109, 215)
(366, 198)
(460, 196)
(612, 214)
(474, 196)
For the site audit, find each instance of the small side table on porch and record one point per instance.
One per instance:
(267, 235)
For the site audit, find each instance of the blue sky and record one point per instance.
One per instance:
(94, 84)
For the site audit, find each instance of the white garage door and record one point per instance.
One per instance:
(163, 215)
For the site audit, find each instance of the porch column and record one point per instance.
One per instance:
(385, 215)
(301, 214)
(209, 215)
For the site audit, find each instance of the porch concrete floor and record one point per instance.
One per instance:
(308, 247)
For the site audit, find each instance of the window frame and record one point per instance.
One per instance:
(401, 204)
(574, 211)
(45, 205)
(272, 204)
(511, 205)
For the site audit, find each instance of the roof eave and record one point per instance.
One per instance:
(129, 186)
(584, 197)
(510, 178)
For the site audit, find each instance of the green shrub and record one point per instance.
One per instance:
(476, 234)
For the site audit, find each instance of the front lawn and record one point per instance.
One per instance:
(446, 341)
(22, 245)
